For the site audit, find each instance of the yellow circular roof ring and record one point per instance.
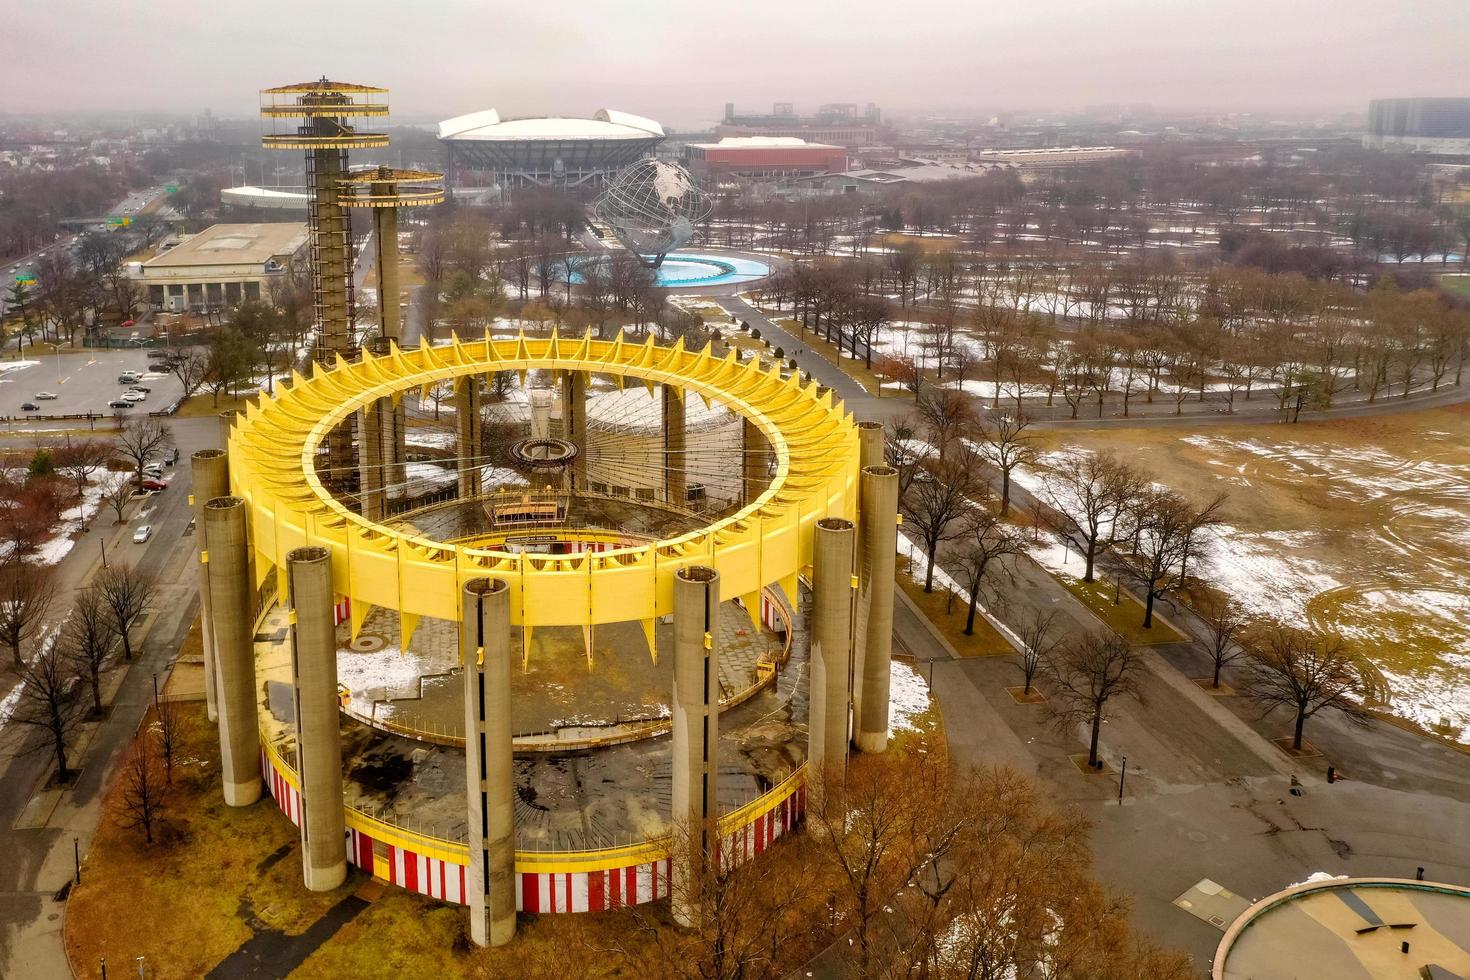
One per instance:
(767, 542)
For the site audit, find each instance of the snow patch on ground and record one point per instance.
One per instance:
(908, 697)
(384, 673)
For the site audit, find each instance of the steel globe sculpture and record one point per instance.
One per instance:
(652, 207)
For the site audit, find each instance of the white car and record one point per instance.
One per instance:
(143, 533)
(133, 396)
(46, 396)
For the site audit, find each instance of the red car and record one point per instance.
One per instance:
(154, 485)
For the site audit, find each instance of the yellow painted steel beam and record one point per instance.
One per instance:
(273, 449)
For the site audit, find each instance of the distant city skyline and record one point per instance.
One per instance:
(681, 66)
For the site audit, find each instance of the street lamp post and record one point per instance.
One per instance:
(1122, 775)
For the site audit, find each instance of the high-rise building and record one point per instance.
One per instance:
(1439, 126)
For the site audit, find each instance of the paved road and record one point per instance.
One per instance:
(38, 862)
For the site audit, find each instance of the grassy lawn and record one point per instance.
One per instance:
(928, 243)
(1459, 285)
(986, 641)
(198, 891)
(1124, 617)
(203, 405)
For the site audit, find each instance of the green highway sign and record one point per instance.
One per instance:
(25, 278)
(172, 188)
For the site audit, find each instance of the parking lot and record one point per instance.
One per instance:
(83, 381)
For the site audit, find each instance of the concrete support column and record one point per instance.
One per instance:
(370, 466)
(484, 649)
(696, 728)
(574, 423)
(467, 424)
(879, 542)
(831, 646)
(226, 428)
(676, 482)
(755, 465)
(211, 478)
(540, 413)
(230, 593)
(385, 260)
(318, 728)
(390, 330)
(870, 448)
(870, 442)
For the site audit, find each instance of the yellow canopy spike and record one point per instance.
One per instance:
(587, 642)
(407, 623)
(526, 647)
(650, 627)
(752, 603)
(359, 612)
(789, 586)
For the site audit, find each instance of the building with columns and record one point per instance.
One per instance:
(221, 266)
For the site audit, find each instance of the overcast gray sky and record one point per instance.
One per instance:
(680, 62)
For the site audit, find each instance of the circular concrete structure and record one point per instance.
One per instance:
(1351, 929)
(623, 613)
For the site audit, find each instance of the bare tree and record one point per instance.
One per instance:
(117, 495)
(1040, 635)
(883, 824)
(985, 543)
(946, 415)
(904, 451)
(25, 598)
(937, 500)
(1305, 672)
(90, 640)
(1006, 444)
(1165, 526)
(1091, 670)
(746, 916)
(127, 594)
(1226, 619)
(78, 460)
(143, 791)
(167, 729)
(1092, 493)
(142, 439)
(191, 367)
(47, 701)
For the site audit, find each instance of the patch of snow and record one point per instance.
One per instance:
(908, 697)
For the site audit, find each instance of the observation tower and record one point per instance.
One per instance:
(323, 113)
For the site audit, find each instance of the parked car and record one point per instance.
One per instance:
(129, 377)
(146, 391)
(119, 403)
(171, 457)
(46, 396)
(30, 407)
(143, 533)
(133, 396)
(153, 471)
(155, 485)
(158, 355)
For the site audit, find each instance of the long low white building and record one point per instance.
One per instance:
(222, 266)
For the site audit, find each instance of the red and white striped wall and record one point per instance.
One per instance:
(594, 891)
(774, 614)
(760, 833)
(541, 892)
(341, 610)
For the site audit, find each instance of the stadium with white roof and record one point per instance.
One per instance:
(547, 151)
